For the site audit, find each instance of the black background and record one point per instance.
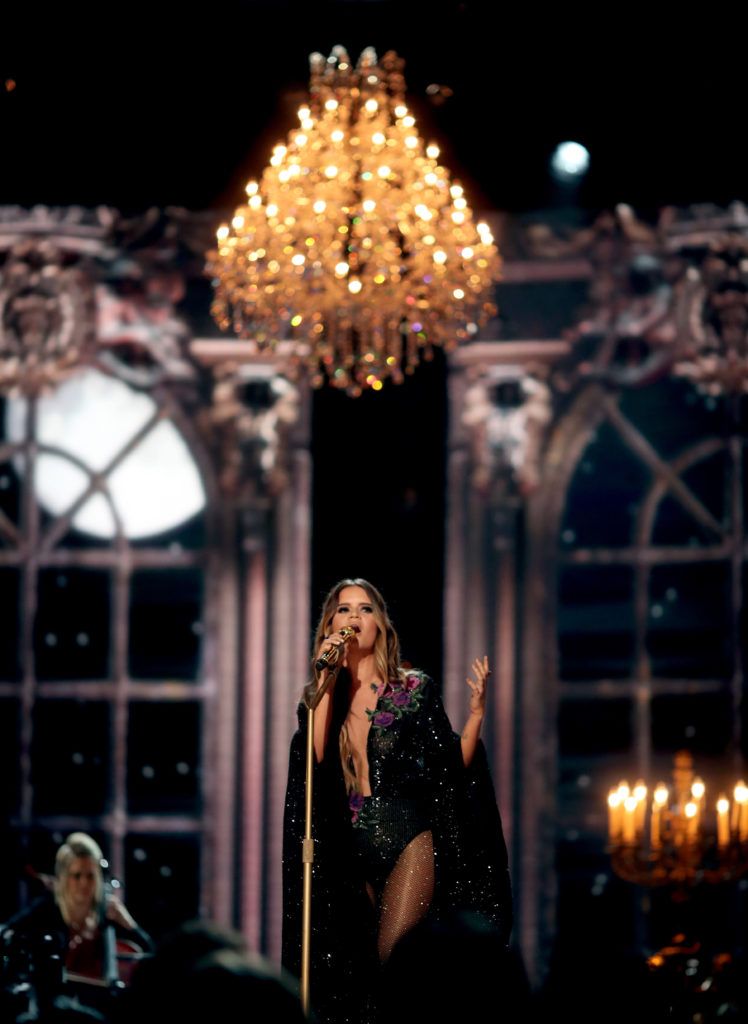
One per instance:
(164, 103)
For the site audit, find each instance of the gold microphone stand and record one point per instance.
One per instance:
(307, 850)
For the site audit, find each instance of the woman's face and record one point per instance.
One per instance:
(355, 608)
(80, 883)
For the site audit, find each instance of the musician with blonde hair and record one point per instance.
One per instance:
(70, 919)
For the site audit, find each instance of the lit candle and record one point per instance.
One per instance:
(655, 836)
(614, 816)
(739, 794)
(723, 821)
(629, 826)
(741, 799)
(640, 794)
(659, 800)
(692, 821)
(698, 790)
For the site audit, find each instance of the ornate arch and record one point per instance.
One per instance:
(91, 291)
(643, 305)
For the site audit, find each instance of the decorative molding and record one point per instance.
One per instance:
(506, 411)
(664, 298)
(248, 424)
(91, 287)
(712, 312)
(669, 298)
(47, 316)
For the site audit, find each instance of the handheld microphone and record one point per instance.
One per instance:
(330, 657)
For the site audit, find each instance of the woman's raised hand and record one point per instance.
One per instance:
(478, 685)
(471, 732)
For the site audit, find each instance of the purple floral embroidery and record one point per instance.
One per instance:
(395, 699)
(363, 813)
(355, 802)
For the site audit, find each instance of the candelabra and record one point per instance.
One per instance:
(675, 839)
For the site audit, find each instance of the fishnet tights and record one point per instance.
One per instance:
(407, 893)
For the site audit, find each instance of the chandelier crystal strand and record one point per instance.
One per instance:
(355, 243)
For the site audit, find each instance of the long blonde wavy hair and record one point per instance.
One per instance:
(386, 655)
(77, 845)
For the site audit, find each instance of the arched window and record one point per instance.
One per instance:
(106, 682)
(647, 634)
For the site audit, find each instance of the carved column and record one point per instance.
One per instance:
(499, 411)
(261, 422)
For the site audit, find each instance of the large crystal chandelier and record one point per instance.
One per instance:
(355, 244)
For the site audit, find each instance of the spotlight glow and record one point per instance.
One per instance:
(570, 161)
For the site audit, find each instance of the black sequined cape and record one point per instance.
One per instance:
(415, 754)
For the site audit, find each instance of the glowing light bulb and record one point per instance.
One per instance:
(251, 188)
(331, 105)
(341, 269)
(319, 206)
(331, 171)
(432, 151)
(354, 286)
